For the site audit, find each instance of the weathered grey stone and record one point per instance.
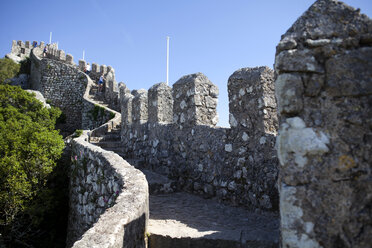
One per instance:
(103, 69)
(286, 44)
(62, 55)
(323, 145)
(195, 101)
(313, 84)
(119, 214)
(348, 73)
(69, 59)
(160, 103)
(327, 19)
(317, 43)
(62, 84)
(95, 68)
(140, 107)
(289, 90)
(253, 89)
(82, 64)
(297, 60)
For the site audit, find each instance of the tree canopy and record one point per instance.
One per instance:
(8, 69)
(29, 148)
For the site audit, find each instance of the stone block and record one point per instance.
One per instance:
(82, 64)
(62, 55)
(95, 68)
(14, 47)
(123, 89)
(195, 101)
(69, 59)
(160, 103)
(252, 101)
(350, 74)
(289, 90)
(297, 61)
(103, 69)
(140, 107)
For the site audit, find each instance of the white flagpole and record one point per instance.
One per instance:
(50, 38)
(167, 59)
(83, 54)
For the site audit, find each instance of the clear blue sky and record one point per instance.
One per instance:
(215, 37)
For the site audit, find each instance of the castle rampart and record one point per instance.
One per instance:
(21, 50)
(98, 179)
(65, 86)
(108, 192)
(204, 159)
(323, 97)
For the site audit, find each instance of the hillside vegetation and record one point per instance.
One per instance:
(29, 150)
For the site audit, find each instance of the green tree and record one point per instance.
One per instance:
(29, 148)
(9, 69)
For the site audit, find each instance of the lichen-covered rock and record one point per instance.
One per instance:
(324, 101)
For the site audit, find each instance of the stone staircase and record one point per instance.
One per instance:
(179, 219)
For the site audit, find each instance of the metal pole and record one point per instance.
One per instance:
(50, 38)
(83, 54)
(167, 59)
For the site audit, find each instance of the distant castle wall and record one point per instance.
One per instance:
(173, 131)
(111, 87)
(22, 49)
(65, 86)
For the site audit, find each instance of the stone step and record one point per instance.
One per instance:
(185, 220)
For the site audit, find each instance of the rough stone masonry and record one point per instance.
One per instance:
(324, 94)
(173, 131)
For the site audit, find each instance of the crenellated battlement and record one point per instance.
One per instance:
(323, 97)
(172, 130)
(21, 50)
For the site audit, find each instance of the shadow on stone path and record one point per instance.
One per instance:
(185, 220)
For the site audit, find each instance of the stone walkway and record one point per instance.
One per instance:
(182, 220)
(185, 220)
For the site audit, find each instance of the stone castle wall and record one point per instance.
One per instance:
(324, 92)
(65, 86)
(111, 87)
(62, 84)
(21, 50)
(108, 199)
(173, 131)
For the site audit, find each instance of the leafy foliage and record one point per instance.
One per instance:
(78, 133)
(29, 148)
(9, 69)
